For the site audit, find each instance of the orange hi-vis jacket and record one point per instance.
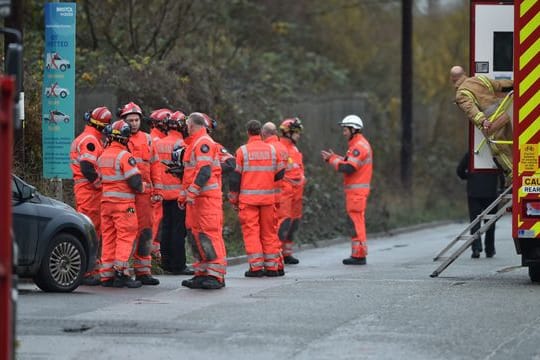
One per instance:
(258, 163)
(359, 156)
(171, 185)
(294, 172)
(117, 165)
(201, 151)
(86, 147)
(156, 134)
(143, 150)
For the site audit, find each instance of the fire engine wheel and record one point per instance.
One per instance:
(63, 94)
(63, 67)
(534, 272)
(63, 265)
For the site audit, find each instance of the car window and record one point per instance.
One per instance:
(14, 189)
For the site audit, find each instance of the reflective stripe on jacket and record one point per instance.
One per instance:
(117, 165)
(257, 163)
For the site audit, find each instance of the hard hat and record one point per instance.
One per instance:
(99, 117)
(291, 125)
(118, 131)
(352, 121)
(177, 120)
(130, 108)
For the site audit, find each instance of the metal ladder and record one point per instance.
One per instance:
(504, 200)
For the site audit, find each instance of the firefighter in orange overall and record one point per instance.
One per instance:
(158, 131)
(173, 222)
(143, 150)
(201, 195)
(252, 191)
(290, 208)
(85, 150)
(121, 180)
(356, 167)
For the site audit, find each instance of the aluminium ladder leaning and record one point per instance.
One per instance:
(502, 202)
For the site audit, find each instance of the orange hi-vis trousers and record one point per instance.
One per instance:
(119, 230)
(356, 209)
(157, 215)
(142, 259)
(88, 202)
(204, 223)
(262, 245)
(289, 214)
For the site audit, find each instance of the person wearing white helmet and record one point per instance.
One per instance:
(356, 167)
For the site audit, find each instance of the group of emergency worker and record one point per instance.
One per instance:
(146, 193)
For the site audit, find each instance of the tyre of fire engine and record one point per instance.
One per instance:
(534, 272)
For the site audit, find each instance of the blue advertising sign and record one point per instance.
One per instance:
(58, 97)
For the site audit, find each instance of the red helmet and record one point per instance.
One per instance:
(160, 116)
(99, 117)
(118, 131)
(130, 108)
(291, 125)
(210, 123)
(177, 120)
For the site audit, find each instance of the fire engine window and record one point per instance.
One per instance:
(503, 43)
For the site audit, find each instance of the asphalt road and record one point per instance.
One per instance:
(389, 309)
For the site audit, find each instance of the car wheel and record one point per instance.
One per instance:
(63, 94)
(63, 265)
(63, 67)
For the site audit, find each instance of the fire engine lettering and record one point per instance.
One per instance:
(531, 181)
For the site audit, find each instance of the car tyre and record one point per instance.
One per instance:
(63, 265)
(63, 94)
(63, 67)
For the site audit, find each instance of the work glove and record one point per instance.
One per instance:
(233, 199)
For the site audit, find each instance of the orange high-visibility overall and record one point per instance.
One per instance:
(157, 206)
(118, 215)
(357, 186)
(204, 209)
(143, 150)
(292, 190)
(257, 164)
(86, 149)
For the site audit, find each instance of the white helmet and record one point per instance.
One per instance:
(352, 121)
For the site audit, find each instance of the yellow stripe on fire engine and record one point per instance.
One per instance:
(536, 228)
(530, 53)
(529, 28)
(526, 109)
(526, 5)
(527, 134)
(529, 80)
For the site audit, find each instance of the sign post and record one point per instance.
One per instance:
(58, 104)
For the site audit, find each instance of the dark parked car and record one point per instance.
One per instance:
(56, 244)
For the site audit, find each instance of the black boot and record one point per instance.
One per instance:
(274, 273)
(251, 273)
(354, 261)
(211, 283)
(475, 254)
(92, 280)
(194, 282)
(290, 260)
(123, 280)
(147, 279)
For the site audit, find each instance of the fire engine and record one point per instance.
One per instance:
(504, 43)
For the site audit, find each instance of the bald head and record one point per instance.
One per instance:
(456, 73)
(268, 129)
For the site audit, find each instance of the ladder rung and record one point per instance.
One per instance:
(489, 216)
(466, 237)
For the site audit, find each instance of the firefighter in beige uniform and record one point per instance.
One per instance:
(479, 97)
